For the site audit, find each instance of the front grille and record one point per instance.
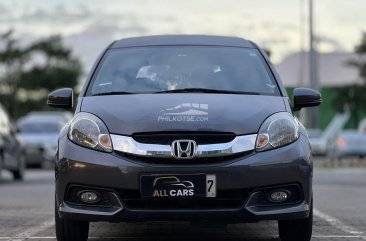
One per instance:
(226, 199)
(166, 138)
(175, 161)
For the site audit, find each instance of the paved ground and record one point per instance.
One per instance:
(26, 213)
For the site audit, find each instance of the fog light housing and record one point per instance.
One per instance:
(90, 197)
(278, 196)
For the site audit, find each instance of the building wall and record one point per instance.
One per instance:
(333, 69)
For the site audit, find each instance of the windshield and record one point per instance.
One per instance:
(162, 69)
(40, 127)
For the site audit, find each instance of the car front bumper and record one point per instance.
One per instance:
(289, 165)
(356, 151)
(36, 154)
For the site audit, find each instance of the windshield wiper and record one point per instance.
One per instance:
(204, 90)
(184, 90)
(113, 93)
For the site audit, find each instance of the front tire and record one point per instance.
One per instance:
(1, 164)
(70, 230)
(18, 174)
(299, 230)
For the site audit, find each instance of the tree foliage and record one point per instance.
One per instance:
(352, 97)
(28, 73)
(360, 64)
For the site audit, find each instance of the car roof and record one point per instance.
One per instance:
(346, 133)
(168, 40)
(41, 119)
(49, 113)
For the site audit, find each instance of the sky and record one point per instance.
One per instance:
(279, 25)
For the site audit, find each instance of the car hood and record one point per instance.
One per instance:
(38, 138)
(129, 114)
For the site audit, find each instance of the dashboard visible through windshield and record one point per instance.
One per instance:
(189, 68)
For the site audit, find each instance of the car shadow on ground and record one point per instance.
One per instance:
(263, 231)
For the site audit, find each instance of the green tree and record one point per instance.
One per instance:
(352, 97)
(12, 61)
(268, 52)
(360, 64)
(29, 73)
(59, 69)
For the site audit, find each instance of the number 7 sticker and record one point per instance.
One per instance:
(210, 185)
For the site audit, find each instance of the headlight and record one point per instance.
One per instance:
(89, 131)
(277, 130)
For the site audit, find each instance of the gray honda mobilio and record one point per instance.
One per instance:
(184, 127)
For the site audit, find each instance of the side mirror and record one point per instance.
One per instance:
(305, 97)
(61, 98)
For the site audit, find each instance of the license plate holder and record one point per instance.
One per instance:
(161, 186)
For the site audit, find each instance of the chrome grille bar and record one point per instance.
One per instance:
(127, 144)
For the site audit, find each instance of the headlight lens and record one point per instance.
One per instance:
(89, 131)
(277, 130)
